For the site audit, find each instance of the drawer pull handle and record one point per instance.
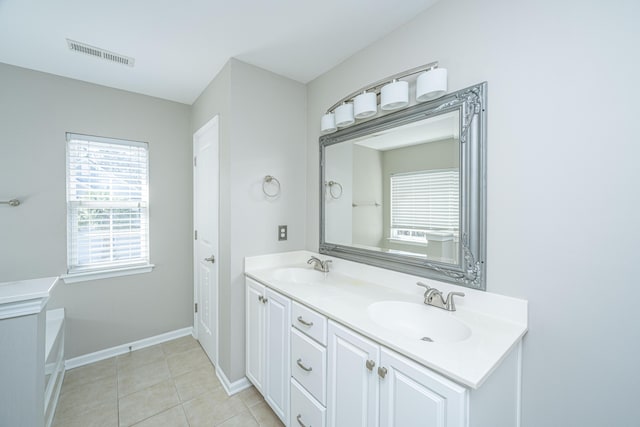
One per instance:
(370, 365)
(382, 372)
(299, 418)
(301, 320)
(299, 362)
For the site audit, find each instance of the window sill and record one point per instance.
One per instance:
(106, 274)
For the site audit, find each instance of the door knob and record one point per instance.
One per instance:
(211, 259)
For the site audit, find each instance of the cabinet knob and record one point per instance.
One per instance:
(370, 365)
(260, 298)
(299, 362)
(299, 418)
(382, 372)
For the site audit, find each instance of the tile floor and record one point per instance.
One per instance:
(167, 385)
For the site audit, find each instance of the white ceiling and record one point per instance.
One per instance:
(179, 46)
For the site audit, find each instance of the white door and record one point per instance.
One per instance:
(414, 396)
(205, 219)
(352, 398)
(255, 312)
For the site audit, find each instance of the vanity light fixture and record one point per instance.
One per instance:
(344, 115)
(394, 94)
(328, 123)
(431, 84)
(365, 105)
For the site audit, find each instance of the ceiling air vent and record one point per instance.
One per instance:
(100, 53)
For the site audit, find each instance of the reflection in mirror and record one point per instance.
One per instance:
(406, 191)
(397, 190)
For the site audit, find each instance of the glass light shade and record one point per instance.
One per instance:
(394, 95)
(344, 115)
(431, 84)
(328, 123)
(365, 105)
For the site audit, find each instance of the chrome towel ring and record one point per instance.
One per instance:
(273, 181)
(337, 193)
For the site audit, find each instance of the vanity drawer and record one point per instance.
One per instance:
(308, 321)
(309, 365)
(305, 410)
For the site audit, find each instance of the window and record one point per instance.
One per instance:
(107, 205)
(425, 204)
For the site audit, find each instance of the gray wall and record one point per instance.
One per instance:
(262, 122)
(562, 181)
(36, 110)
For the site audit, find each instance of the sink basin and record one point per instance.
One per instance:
(418, 321)
(298, 275)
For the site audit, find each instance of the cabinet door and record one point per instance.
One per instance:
(414, 396)
(277, 344)
(255, 333)
(352, 398)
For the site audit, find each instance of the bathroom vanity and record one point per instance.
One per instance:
(31, 353)
(357, 346)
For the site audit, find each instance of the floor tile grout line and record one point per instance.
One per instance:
(156, 414)
(186, 417)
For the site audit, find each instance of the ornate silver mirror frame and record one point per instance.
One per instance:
(470, 103)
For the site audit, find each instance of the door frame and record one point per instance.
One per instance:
(206, 127)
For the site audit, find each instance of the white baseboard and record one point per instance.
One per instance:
(232, 387)
(125, 348)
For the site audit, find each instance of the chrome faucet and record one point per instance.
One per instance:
(433, 296)
(319, 265)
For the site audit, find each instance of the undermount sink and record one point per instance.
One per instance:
(298, 275)
(418, 321)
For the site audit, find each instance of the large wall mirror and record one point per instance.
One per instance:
(406, 191)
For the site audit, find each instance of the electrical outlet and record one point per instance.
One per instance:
(282, 232)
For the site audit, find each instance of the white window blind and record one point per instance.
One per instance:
(425, 201)
(107, 203)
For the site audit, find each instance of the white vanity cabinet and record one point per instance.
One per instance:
(370, 385)
(358, 357)
(268, 342)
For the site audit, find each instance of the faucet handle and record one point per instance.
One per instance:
(450, 304)
(424, 285)
(427, 289)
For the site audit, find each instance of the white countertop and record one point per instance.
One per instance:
(497, 322)
(24, 297)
